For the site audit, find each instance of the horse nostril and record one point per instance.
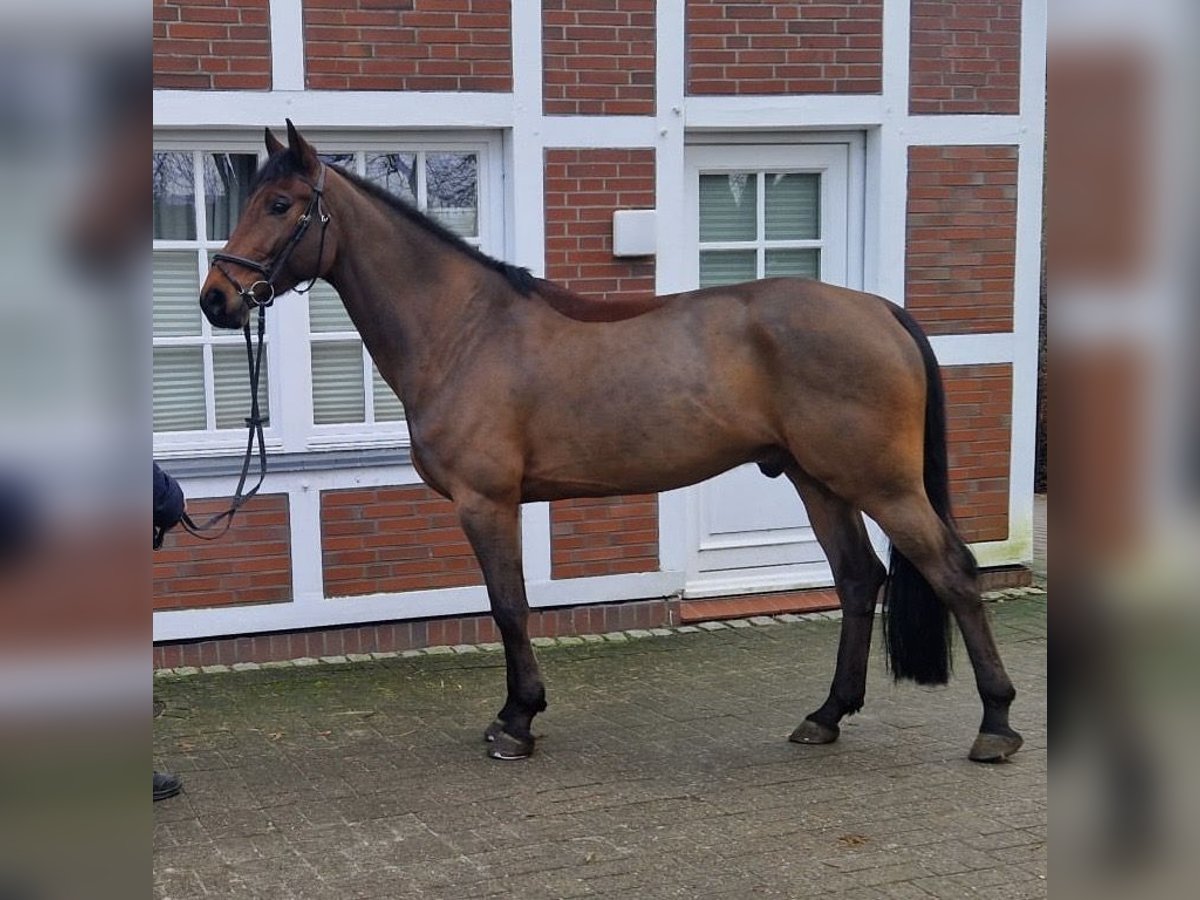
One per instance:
(213, 300)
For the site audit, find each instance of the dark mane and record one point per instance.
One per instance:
(284, 163)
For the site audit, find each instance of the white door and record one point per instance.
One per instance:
(756, 212)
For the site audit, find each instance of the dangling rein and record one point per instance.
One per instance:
(259, 300)
(254, 424)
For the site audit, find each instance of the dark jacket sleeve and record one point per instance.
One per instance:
(168, 500)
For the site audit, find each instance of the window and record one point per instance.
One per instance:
(347, 389)
(318, 383)
(759, 224)
(200, 378)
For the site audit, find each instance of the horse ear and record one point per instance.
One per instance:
(303, 150)
(272, 142)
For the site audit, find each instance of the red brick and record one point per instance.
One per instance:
(965, 58)
(961, 241)
(422, 45)
(784, 47)
(198, 43)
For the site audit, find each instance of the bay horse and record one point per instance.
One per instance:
(518, 390)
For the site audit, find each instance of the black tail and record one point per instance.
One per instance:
(916, 624)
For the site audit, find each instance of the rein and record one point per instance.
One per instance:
(259, 301)
(254, 423)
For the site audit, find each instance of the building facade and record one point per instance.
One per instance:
(889, 145)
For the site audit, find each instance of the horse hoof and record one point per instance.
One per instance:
(994, 748)
(490, 733)
(505, 746)
(810, 732)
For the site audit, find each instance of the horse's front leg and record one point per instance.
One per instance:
(494, 530)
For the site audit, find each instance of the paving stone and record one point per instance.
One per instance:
(465, 648)
(333, 660)
(277, 664)
(789, 618)
(386, 654)
(214, 669)
(306, 661)
(638, 633)
(570, 641)
(491, 646)
(738, 623)
(761, 620)
(544, 642)
(245, 667)
(438, 651)
(661, 632)
(358, 657)
(592, 638)
(662, 770)
(187, 670)
(615, 636)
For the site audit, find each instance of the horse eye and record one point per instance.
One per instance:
(280, 206)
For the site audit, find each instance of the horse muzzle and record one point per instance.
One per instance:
(221, 312)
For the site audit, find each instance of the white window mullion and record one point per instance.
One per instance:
(760, 225)
(368, 387)
(422, 182)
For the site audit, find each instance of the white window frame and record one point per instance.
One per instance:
(289, 339)
(830, 161)
(211, 440)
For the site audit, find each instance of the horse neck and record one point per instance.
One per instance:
(418, 303)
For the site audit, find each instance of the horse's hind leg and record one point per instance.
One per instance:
(858, 574)
(944, 561)
(493, 528)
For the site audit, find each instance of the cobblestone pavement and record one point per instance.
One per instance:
(662, 770)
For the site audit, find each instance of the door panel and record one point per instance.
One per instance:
(762, 211)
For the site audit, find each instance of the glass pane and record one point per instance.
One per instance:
(453, 182)
(176, 294)
(345, 160)
(178, 389)
(174, 197)
(226, 178)
(326, 312)
(804, 263)
(232, 381)
(387, 405)
(793, 210)
(337, 382)
(395, 173)
(729, 207)
(726, 267)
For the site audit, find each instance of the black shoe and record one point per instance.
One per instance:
(166, 785)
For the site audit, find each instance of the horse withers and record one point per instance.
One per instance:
(518, 390)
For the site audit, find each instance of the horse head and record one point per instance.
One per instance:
(282, 239)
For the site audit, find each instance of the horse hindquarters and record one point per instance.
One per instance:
(932, 571)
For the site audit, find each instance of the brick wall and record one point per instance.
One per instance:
(979, 420)
(785, 47)
(583, 188)
(603, 536)
(212, 44)
(965, 57)
(598, 57)
(408, 45)
(251, 563)
(381, 540)
(962, 237)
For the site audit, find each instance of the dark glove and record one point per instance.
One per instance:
(168, 504)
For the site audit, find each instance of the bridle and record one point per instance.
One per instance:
(316, 206)
(254, 354)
